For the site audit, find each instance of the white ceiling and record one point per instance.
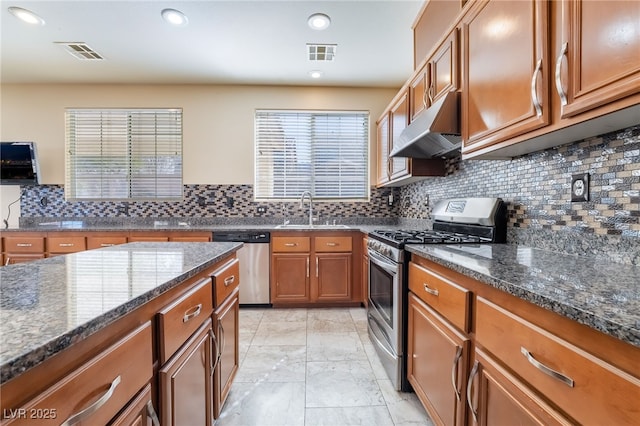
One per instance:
(225, 42)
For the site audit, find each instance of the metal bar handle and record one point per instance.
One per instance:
(424, 99)
(472, 376)
(151, 412)
(534, 87)
(331, 244)
(24, 245)
(546, 370)
(65, 245)
(454, 371)
(559, 88)
(229, 280)
(214, 364)
(431, 94)
(107, 245)
(307, 267)
(192, 312)
(290, 244)
(317, 273)
(82, 415)
(223, 343)
(376, 259)
(432, 291)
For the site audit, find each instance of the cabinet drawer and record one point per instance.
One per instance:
(225, 280)
(65, 244)
(23, 244)
(291, 244)
(180, 319)
(332, 244)
(447, 298)
(588, 389)
(98, 389)
(100, 242)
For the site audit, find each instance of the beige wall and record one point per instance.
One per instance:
(217, 129)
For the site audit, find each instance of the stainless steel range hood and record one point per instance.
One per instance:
(434, 133)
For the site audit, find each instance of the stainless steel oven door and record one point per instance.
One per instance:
(385, 299)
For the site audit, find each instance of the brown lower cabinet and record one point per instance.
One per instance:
(437, 364)
(499, 398)
(315, 268)
(185, 387)
(139, 412)
(19, 246)
(480, 356)
(226, 318)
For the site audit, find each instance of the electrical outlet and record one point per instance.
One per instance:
(580, 188)
(261, 209)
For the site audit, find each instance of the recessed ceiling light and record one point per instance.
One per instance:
(26, 15)
(319, 21)
(316, 74)
(174, 17)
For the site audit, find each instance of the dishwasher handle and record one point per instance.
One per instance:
(242, 237)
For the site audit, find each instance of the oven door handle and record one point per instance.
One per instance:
(383, 263)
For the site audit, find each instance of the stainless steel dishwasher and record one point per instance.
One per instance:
(254, 264)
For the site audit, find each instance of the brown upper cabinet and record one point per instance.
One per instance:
(533, 74)
(505, 51)
(436, 77)
(599, 58)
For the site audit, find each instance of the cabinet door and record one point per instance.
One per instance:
(504, 62)
(227, 334)
(418, 92)
(333, 276)
(383, 150)
(444, 69)
(599, 60)
(437, 364)
(399, 119)
(139, 412)
(501, 399)
(185, 382)
(13, 258)
(290, 274)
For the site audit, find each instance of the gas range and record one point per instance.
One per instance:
(456, 221)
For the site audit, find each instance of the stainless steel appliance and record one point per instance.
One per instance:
(456, 221)
(254, 265)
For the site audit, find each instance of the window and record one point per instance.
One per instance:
(322, 152)
(122, 154)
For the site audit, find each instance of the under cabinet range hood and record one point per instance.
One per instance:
(434, 133)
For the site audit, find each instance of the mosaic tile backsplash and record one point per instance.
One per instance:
(201, 201)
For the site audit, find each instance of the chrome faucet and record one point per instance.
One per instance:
(304, 194)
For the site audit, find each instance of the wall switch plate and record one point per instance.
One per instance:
(580, 187)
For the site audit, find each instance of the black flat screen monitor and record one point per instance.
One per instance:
(19, 164)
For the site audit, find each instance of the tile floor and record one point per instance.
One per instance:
(305, 367)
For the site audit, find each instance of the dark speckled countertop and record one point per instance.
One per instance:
(602, 295)
(47, 305)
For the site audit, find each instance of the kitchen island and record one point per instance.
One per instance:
(61, 316)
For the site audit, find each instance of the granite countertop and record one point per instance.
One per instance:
(47, 305)
(190, 224)
(602, 295)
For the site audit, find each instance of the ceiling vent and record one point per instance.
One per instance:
(80, 51)
(321, 52)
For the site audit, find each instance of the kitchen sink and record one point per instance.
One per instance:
(296, 226)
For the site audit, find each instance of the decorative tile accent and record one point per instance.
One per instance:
(201, 201)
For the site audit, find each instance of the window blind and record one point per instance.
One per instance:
(322, 152)
(123, 154)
